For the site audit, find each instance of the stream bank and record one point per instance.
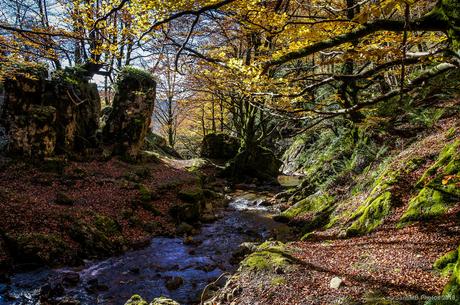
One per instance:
(178, 268)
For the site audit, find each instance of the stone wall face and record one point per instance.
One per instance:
(30, 125)
(78, 109)
(129, 121)
(43, 117)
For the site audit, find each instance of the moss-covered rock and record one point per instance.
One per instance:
(269, 256)
(309, 213)
(163, 301)
(191, 196)
(145, 193)
(129, 121)
(257, 162)
(449, 264)
(219, 146)
(446, 263)
(381, 200)
(439, 187)
(138, 300)
(313, 203)
(189, 212)
(102, 236)
(371, 214)
(40, 248)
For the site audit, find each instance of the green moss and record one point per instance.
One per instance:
(449, 264)
(426, 205)
(136, 300)
(96, 237)
(313, 203)
(163, 301)
(439, 187)
(139, 77)
(310, 213)
(107, 225)
(448, 162)
(40, 248)
(191, 196)
(451, 133)
(268, 256)
(277, 281)
(145, 193)
(381, 200)
(370, 215)
(446, 263)
(307, 236)
(70, 76)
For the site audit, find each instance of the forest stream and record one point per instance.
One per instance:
(186, 265)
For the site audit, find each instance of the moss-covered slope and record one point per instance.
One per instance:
(439, 186)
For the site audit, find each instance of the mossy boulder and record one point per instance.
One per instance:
(191, 196)
(129, 121)
(371, 214)
(439, 187)
(138, 300)
(256, 162)
(313, 203)
(39, 248)
(189, 212)
(101, 236)
(219, 146)
(269, 256)
(309, 213)
(383, 197)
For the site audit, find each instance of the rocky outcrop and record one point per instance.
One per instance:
(219, 146)
(45, 116)
(258, 162)
(30, 125)
(129, 121)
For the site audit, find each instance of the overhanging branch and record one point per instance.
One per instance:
(430, 22)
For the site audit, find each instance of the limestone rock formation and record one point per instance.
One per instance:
(46, 116)
(130, 118)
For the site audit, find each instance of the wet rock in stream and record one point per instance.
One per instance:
(174, 283)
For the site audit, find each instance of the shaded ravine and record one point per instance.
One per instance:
(146, 272)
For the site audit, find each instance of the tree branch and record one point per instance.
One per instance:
(184, 13)
(430, 22)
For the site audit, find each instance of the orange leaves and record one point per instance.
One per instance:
(450, 179)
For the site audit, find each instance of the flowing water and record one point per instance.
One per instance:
(147, 271)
